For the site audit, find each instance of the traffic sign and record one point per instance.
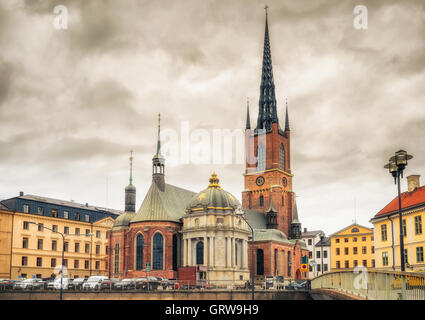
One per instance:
(148, 267)
(304, 267)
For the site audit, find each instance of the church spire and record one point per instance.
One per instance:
(130, 190)
(287, 118)
(248, 120)
(267, 113)
(158, 143)
(131, 167)
(158, 161)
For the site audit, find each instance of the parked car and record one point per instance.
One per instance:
(29, 284)
(126, 284)
(6, 284)
(93, 282)
(108, 284)
(152, 283)
(76, 284)
(56, 284)
(141, 283)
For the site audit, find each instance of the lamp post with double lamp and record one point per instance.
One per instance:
(63, 251)
(241, 214)
(396, 165)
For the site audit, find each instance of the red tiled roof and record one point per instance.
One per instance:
(408, 199)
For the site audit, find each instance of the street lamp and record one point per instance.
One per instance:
(396, 165)
(241, 214)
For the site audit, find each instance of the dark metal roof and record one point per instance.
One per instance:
(68, 204)
(325, 242)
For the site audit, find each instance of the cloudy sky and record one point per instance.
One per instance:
(74, 101)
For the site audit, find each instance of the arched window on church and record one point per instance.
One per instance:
(261, 157)
(158, 251)
(275, 261)
(260, 262)
(200, 253)
(289, 263)
(175, 240)
(139, 252)
(282, 157)
(117, 258)
(261, 201)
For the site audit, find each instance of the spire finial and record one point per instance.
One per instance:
(214, 181)
(131, 167)
(266, 8)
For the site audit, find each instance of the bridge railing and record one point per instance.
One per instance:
(374, 284)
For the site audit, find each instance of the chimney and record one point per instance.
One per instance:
(413, 182)
(305, 230)
(21, 193)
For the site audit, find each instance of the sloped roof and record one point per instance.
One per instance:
(167, 205)
(3, 207)
(257, 220)
(270, 235)
(325, 242)
(68, 203)
(408, 200)
(309, 234)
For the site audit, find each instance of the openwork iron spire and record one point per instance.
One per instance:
(267, 105)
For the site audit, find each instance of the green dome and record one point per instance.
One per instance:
(122, 221)
(213, 198)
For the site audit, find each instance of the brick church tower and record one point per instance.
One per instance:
(268, 177)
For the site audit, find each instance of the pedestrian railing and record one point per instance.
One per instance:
(374, 284)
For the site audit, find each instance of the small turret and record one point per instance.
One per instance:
(295, 225)
(271, 216)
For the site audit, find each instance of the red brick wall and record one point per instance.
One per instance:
(282, 256)
(251, 199)
(147, 229)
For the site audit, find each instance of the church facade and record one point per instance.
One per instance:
(176, 228)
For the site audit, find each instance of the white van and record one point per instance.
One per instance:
(93, 282)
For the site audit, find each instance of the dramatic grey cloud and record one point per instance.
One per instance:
(74, 102)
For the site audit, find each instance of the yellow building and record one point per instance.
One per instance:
(387, 230)
(352, 246)
(31, 241)
(5, 241)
